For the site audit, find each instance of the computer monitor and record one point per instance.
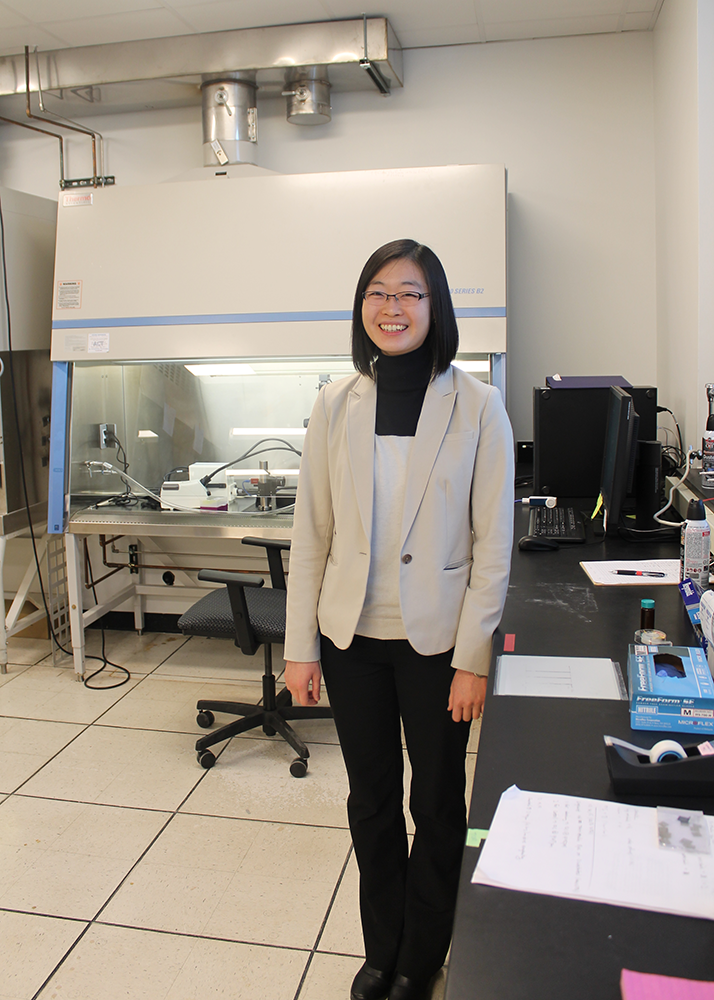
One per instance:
(618, 463)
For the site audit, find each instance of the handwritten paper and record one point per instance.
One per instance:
(604, 852)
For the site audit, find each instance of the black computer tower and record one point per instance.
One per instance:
(569, 437)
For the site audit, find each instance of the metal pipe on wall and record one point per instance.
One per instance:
(115, 567)
(74, 128)
(44, 131)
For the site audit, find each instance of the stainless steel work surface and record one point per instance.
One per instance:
(163, 523)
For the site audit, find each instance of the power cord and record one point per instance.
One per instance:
(665, 532)
(285, 446)
(675, 455)
(657, 518)
(105, 661)
(127, 498)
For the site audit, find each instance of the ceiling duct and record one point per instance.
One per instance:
(229, 119)
(308, 94)
(149, 74)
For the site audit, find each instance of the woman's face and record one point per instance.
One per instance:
(393, 326)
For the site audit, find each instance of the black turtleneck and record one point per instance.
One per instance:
(401, 384)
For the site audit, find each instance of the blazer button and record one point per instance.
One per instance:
(406, 558)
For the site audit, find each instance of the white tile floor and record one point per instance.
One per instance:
(126, 870)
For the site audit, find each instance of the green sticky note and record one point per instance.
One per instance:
(474, 838)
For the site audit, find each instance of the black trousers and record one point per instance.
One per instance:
(407, 898)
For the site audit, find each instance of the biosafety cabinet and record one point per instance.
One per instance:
(193, 324)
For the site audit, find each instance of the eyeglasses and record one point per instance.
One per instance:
(403, 298)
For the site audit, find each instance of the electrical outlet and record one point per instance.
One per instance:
(107, 435)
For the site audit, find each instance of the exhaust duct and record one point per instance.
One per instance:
(308, 94)
(223, 71)
(317, 59)
(229, 119)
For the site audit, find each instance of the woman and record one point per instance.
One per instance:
(398, 574)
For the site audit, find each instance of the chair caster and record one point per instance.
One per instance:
(205, 719)
(298, 768)
(206, 758)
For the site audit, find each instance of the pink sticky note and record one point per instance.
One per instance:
(646, 986)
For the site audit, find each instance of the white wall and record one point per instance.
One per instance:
(705, 62)
(676, 142)
(684, 158)
(571, 118)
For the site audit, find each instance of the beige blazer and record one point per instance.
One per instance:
(457, 527)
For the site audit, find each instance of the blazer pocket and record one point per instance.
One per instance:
(459, 564)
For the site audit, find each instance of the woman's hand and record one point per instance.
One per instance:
(468, 693)
(303, 681)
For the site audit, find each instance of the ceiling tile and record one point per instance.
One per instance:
(69, 10)
(642, 6)
(138, 24)
(504, 11)
(14, 40)
(448, 35)
(407, 15)
(61, 23)
(250, 9)
(551, 27)
(637, 21)
(225, 15)
(10, 19)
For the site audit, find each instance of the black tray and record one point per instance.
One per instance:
(633, 774)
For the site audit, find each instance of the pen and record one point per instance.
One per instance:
(636, 572)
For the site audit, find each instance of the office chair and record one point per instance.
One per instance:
(252, 617)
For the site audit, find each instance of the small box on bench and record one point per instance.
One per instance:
(671, 689)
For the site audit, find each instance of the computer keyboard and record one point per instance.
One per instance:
(561, 523)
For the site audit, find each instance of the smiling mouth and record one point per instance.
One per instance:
(392, 327)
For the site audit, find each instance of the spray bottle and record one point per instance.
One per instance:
(694, 545)
(708, 436)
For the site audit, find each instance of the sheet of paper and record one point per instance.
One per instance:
(647, 986)
(559, 677)
(604, 573)
(604, 852)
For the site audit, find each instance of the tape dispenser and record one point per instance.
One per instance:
(667, 768)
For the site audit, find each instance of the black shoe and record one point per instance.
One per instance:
(370, 984)
(409, 989)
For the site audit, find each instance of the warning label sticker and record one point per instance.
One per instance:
(69, 294)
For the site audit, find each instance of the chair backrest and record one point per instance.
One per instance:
(273, 549)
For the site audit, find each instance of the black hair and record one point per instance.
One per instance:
(443, 336)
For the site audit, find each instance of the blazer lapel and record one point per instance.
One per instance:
(361, 412)
(436, 411)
